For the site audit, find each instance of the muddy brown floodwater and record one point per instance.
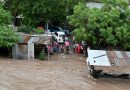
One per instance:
(59, 73)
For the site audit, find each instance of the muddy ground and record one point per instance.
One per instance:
(59, 73)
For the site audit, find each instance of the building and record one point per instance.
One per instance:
(30, 46)
(96, 5)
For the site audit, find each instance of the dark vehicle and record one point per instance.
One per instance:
(67, 32)
(55, 29)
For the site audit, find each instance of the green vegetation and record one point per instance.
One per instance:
(42, 55)
(95, 1)
(108, 26)
(35, 11)
(7, 33)
(38, 31)
(30, 30)
(25, 29)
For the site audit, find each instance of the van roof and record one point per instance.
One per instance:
(59, 32)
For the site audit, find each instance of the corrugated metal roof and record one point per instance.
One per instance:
(26, 39)
(23, 38)
(37, 39)
(41, 40)
(116, 58)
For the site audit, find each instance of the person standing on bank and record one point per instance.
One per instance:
(62, 50)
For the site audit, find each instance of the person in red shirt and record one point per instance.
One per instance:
(79, 48)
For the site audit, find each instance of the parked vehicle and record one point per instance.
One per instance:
(67, 32)
(58, 36)
(103, 63)
(52, 29)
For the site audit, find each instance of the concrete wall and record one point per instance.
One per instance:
(20, 51)
(30, 51)
(15, 51)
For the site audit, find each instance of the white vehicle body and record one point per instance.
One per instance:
(59, 36)
(110, 62)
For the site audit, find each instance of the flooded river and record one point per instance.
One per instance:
(59, 73)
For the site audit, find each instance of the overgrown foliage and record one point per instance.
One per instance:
(25, 29)
(109, 25)
(7, 34)
(35, 11)
(39, 31)
(30, 30)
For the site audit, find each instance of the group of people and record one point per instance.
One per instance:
(80, 48)
(62, 48)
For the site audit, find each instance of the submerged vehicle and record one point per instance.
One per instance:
(103, 63)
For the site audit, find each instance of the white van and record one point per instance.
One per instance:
(58, 36)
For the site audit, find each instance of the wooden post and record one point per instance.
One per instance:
(48, 52)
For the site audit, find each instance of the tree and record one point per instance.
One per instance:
(35, 11)
(106, 26)
(7, 34)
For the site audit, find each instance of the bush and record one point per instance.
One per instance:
(25, 29)
(38, 31)
(8, 36)
(30, 29)
(42, 55)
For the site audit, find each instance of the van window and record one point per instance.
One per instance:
(61, 35)
(56, 34)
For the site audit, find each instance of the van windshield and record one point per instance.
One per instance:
(61, 35)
